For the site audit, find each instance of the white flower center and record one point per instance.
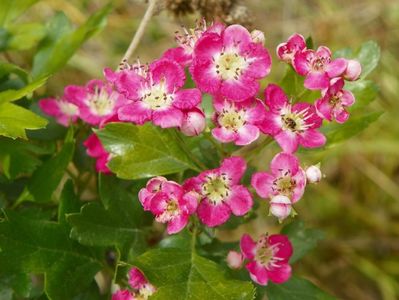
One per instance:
(157, 98)
(284, 184)
(294, 121)
(230, 65)
(171, 211)
(101, 103)
(216, 188)
(231, 118)
(68, 109)
(265, 254)
(319, 63)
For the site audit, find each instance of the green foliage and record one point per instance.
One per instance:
(143, 151)
(181, 274)
(12, 9)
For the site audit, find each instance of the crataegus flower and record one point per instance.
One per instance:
(318, 67)
(143, 289)
(234, 259)
(156, 94)
(193, 122)
(291, 125)
(335, 100)
(313, 174)
(122, 295)
(280, 207)
(237, 121)
(229, 63)
(173, 206)
(97, 101)
(353, 70)
(95, 149)
(62, 110)
(154, 185)
(285, 178)
(220, 193)
(287, 50)
(268, 258)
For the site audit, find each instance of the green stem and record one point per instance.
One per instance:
(199, 164)
(216, 144)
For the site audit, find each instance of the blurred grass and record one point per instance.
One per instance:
(357, 204)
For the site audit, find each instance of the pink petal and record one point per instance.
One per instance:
(275, 98)
(193, 122)
(159, 203)
(336, 67)
(135, 112)
(224, 135)
(280, 274)
(247, 246)
(300, 183)
(324, 109)
(178, 55)
(94, 148)
(284, 162)
(170, 71)
(257, 272)
(312, 139)
(271, 123)
(172, 189)
(309, 111)
(283, 246)
(213, 215)
(191, 201)
(240, 200)
(50, 106)
(342, 116)
(347, 98)
(317, 81)
(168, 118)
(240, 89)
(301, 61)
(236, 36)
(155, 183)
(255, 111)
(122, 295)
(247, 134)
(187, 99)
(145, 198)
(262, 183)
(261, 61)
(204, 75)
(324, 52)
(207, 46)
(101, 164)
(287, 140)
(136, 279)
(75, 94)
(234, 167)
(296, 41)
(177, 224)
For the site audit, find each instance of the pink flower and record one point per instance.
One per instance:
(258, 36)
(285, 178)
(335, 100)
(229, 63)
(95, 149)
(280, 207)
(97, 101)
(286, 51)
(268, 258)
(220, 193)
(353, 70)
(291, 125)
(313, 174)
(168, 202)
(193, 122)
(234, 259)
(318, 67)
(122, 295)
(62, 110)
(237, 121)
(156, 93)
(142, 288)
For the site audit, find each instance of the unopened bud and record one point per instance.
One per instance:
(280, 207)
(258, 37)
(313, 174)
(193, 123)
(234, 259)
(353, 70)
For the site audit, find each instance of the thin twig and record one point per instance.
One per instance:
(140, 31)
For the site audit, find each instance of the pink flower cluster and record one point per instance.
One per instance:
(140, 288)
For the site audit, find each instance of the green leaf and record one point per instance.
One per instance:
(11, 9)
(369, 56)
(14, 120)
(143, 151)
(47, 177)
(357, 123)
(303, 240)
(14, 286)
(118, 222)
(6, 69)
(38, 246)
(25, 36)
(180, 274)
(54, 55)
(292, 83)
(296, 289)
(365, 92)
(69, 202)
(11, 95)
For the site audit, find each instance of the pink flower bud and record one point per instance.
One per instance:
(280, 207)
(313, 174)
(193, 122)
(353, 70)
(258, 37)
(234, 259)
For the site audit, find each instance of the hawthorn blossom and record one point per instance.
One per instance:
(353, 70)
(237, 121)
(156, 93)
(268, 258)
(154, 185)
(291, 125)
(230, 63)
(143, 288)
(61, 109)
(285, 178)
(193, 122)
(95, 149)
(313, 174)
(333, 105)
(280, 207)
(234, 259)
(122, 295)
(318, 67)
(287, 50)
(97, 101)
(220, 193)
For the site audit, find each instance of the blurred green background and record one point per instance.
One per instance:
(357, 204)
